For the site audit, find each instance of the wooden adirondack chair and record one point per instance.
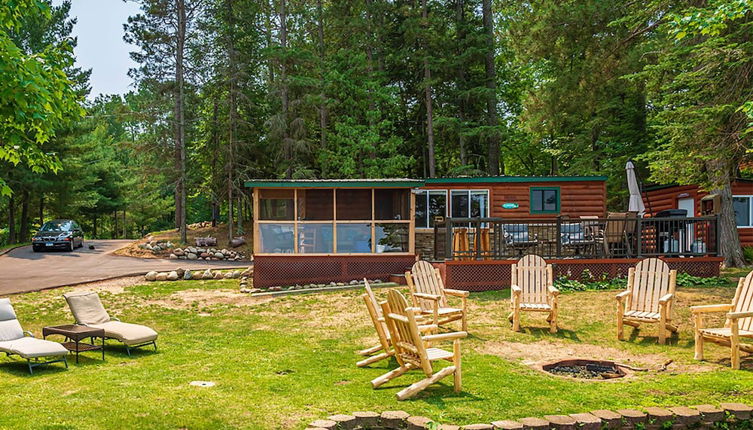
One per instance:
(414, 351)
(429, 294)
(739, 323)
(533, 290)
(648, 298)
(382, 350)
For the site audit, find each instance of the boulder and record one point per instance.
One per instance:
(172, 276)
(180, 271)
(208, 274)
(236, 274)
(204, 255)
(197, 276)
(228, 275)
(187, 275)
(161, 276)
(151, 276)
(178, 252)
(218, 275)
(192, 256)
(173, 257)
(191, 249)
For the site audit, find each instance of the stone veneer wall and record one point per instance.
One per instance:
(425, 244)
(728, 416)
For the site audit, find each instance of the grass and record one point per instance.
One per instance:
(13, 245)
(283, 362)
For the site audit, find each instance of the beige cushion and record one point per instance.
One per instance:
(129, 334)
(10, 329)
(29, 347)
(87, 308)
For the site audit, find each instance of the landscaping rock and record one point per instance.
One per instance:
(324, 424)
(632, 416)
(173, 257)
(710, 413)
(228, 275)
(418, 423)
(344, 422)
(507, 425)
(197, 276)
(659, 415)
(478, 427)
(151, 276)
(611, 420)
(180, 271)
(394, 419)
(685, 415)
(172, 276)
(192, 256)
(236, 274)
(218, 275)
(560, 422)
(187, 275)
(738, 410)
(219, 255)
(366, 419)
(161, 277)
(587, 421)
(533, 423)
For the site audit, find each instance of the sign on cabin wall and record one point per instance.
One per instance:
(510, 206)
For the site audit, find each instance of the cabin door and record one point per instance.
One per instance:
(687, 237)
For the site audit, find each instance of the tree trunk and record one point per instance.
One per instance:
(180, 143)
(12, 220)
(460, 23)
(233, 117)
(115, 224)
(23, 234)
(491, 86)
(215, 207)
(322, 95)
(94, 226)
(427, 93)
(284, 97)
(720, 172)
(41, 210)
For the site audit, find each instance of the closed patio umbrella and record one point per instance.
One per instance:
(636, 200)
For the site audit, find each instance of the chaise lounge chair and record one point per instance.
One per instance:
(87, 309)
(15, 341)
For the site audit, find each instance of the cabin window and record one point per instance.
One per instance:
(469, 203)
(430, 204)
(545, 200)
(743, 211)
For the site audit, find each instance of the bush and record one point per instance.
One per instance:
(588, 283)
(685, 280)
(748, 254)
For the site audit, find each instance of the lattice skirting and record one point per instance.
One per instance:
(281, 270)
(495, 274)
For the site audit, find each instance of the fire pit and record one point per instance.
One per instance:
(585, 369)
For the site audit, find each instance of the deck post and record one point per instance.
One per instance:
(558, 234)
(639, 233)
(476, 239)
(448, 251)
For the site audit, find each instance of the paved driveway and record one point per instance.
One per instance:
(22, 270)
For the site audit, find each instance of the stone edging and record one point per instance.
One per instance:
(727, 415)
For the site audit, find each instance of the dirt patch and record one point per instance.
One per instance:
(536, 353)
(195, 298)
(113, 286)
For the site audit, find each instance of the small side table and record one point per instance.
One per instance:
(74, 334)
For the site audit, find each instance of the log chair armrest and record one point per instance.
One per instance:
(456, 293)
(704, 309)
(427, 296)
(738, 315)
(666, 299)
(516, 290)
(115, 319)
(553, 290)
(445, 336)
(428, 328)
(28, 333)
(622, 295)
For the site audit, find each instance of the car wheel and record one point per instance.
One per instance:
(72, 245)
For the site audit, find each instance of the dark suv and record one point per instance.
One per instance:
(58, 233)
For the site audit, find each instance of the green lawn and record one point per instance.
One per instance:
(284, 362)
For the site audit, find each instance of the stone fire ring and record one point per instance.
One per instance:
(544, 367)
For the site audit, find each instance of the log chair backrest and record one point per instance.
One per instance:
(460, 244)
(375, 312)
(424, 278)
(533, 276)
(744, 301)
(406, 339)
(649, 280)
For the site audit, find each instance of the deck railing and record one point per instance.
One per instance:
(562, 237)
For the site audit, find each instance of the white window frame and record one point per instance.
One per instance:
(750, 210)
(425, 194)
(470, 191)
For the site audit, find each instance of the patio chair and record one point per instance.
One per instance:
(414, 351)
(576, 236)
(383, 350)
(533, 291)
(15, 341)
(429, 294)
(648, 298)
(739, 323)
(618, 233)
(518, 238)
(87, 309)
(461, 249)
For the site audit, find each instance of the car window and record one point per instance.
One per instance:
(55, 226)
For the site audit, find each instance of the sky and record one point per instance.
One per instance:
(100, 43)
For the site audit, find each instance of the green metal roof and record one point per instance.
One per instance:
(334, 183)
(493, 179)
(408, 183)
